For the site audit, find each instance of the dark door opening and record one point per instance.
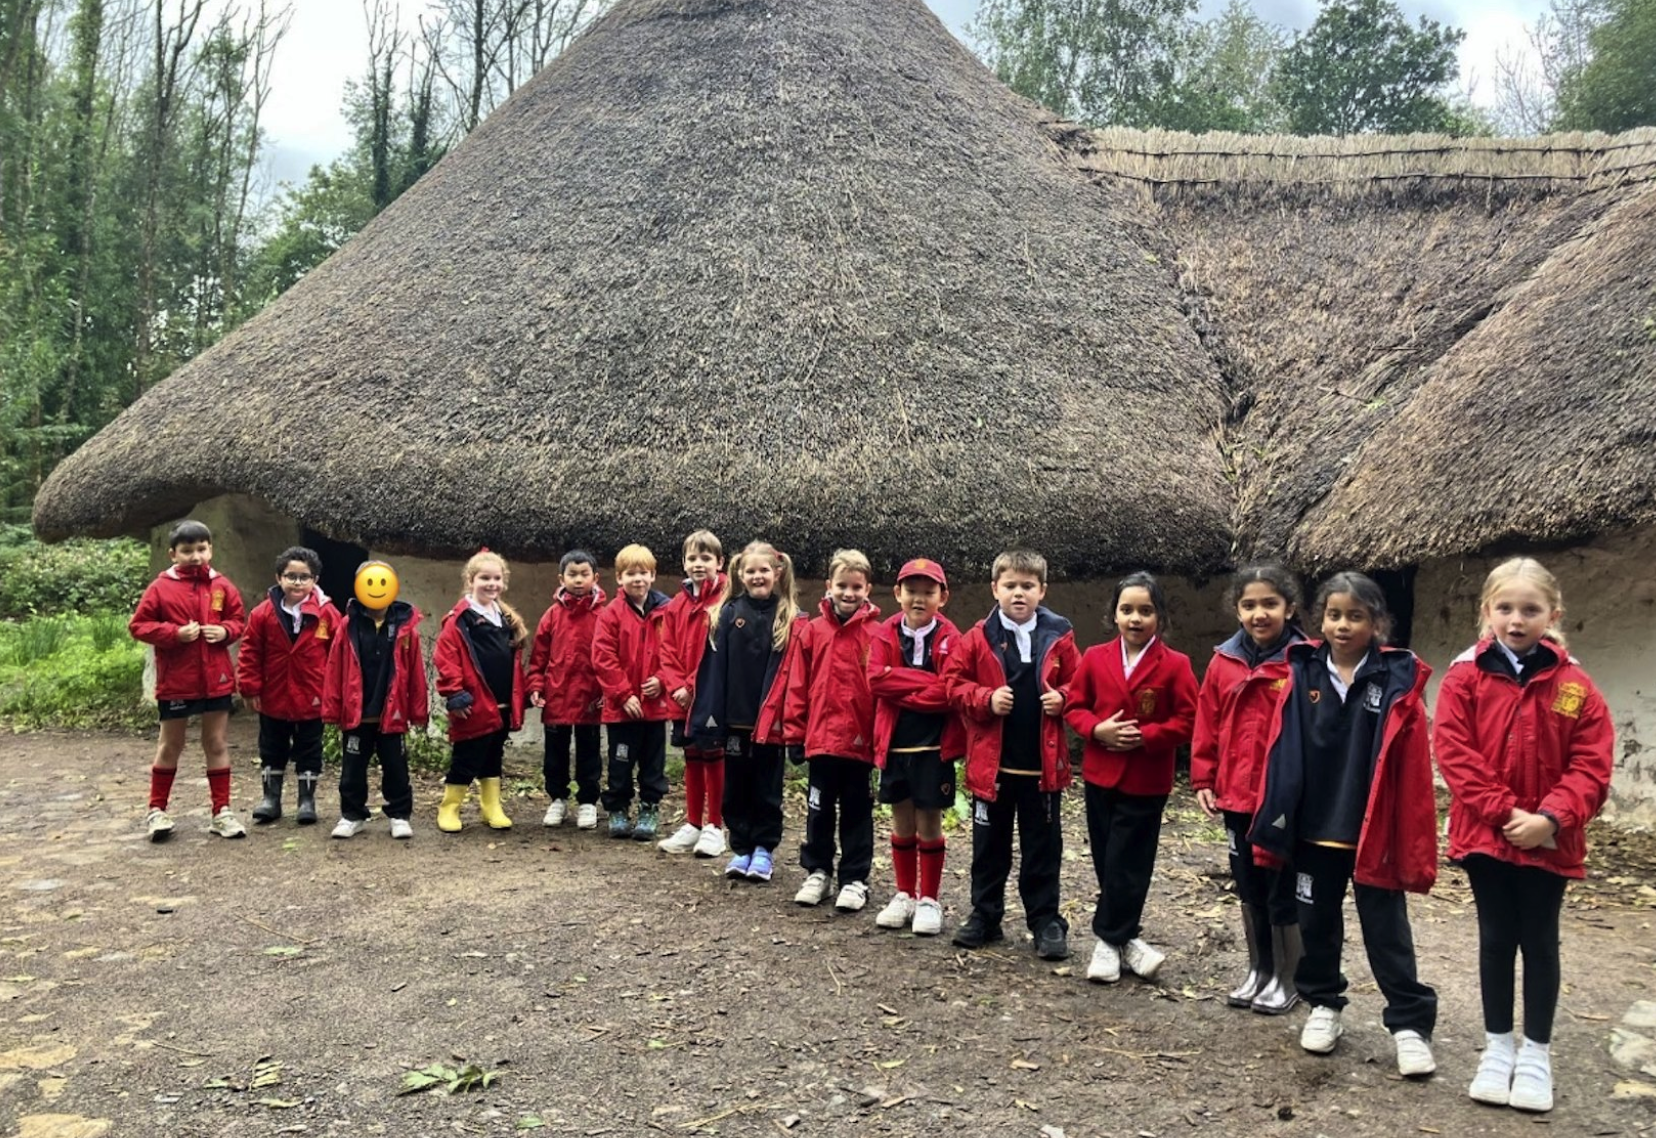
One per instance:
(339, 565)
(1398, 585)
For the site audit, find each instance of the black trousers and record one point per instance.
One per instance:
(839, 797)
(367, 740)
(636, 748)
(1322, 874)
(472, 759)
(589, 763)
(282, 739)
(1518, 908)
(1019, 802)
(1256, 885)
(1124, 831)
(752, 794)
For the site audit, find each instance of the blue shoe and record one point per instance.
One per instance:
(738, 867)
(760, 868)
(619, 826)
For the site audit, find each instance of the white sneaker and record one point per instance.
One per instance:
(1493, 1082)
(1414, 1054)
(586, 816)
(684, 840)
(1142, 960)
(711, 843)
(227, 825)
(814, 889)
(1322, 1030)
(348, 828)
(853, 895)
(1105, 965)
(928, 917)
(159, 825)
(554, 813)
(1532, 1086)
(401, 829)
(899, 911)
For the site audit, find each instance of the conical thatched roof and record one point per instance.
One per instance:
(792, 267)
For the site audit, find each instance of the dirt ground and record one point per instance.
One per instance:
(286, 983)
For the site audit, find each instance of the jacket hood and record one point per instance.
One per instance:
(869, 611)
(591, 599)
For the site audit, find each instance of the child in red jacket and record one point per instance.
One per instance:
(1134, 704)
(564, 686)
(191, 614)
(829, 722)
(1527, 746)
(917, 739)
(1234, 713)
(374, 691)
(626, 655)
(479, 662)
(1008, 681)
(283, 661)
(1349, 798)
(684, 641)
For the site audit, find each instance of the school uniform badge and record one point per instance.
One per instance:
(322, 632)
(1372, 696)
(218, 600)
(1147, 703)
(1569, 699)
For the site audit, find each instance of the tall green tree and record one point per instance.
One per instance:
(1224, 77)
(1361, 68)
(1615, 89)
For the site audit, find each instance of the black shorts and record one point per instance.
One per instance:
(184, 708)
(920, 776)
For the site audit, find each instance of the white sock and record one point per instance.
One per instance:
(1499, 1042)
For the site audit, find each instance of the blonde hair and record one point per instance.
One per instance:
(634, 556)
(850, 561)
(704, 541)
(786, 594)
(1020, 561)
(474, 565)
(1528, 571)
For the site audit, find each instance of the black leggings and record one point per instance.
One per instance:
(1518, 907)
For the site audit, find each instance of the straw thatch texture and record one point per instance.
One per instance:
(792, 267)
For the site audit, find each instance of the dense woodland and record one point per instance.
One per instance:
(134, 231)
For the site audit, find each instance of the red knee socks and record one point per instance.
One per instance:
(903, 863)
(695, 790)
(218, 788)
(713, 776)
(931, 868)
(161, 780)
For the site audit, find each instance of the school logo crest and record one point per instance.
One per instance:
(1279, 683)
(218, 600)
(1147, 703)
(1371, 697)
(1569, 699)
(741, 622)
(1314, 695)
(322, 630)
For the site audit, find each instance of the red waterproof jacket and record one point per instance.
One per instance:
(407, 698)
(1235, 713)
(1397, 848)
(626, 651)
(455, 659)
(560, 663)
(898, 687)
(1545, 747)
(1161, 695)
(684, 635)
(180, 595)
(973, 672)
(284, 673)
(829, 708)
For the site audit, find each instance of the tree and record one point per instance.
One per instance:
(1361, 69)
(1615, 90)
(1528, 83)
(1223, 81)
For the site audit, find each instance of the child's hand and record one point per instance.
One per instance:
(1000, 701)
(252, 701)
(537, 699)
(652, 688)
(1209, 804)
(212, 633)
(633, 708)
(189, 633)
(1527, 831)
(682, 697)
(1118, 734)
(1052, 702)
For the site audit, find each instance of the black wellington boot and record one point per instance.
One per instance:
(1257, 931)
(271, 808)
(307, 797)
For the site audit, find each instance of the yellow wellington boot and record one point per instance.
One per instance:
(488, 804)
(448, 811)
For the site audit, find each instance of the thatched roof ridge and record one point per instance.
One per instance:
(793, 267)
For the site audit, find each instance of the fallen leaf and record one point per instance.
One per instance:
(1025, 1065)
(279, 1103)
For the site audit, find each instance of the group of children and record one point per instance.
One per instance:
(1315, 753)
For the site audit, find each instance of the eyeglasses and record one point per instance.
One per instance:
(297, 578)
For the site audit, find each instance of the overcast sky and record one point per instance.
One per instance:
(327, 44)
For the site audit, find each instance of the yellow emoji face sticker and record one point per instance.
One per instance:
(376, 585)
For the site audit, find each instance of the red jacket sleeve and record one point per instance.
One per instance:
(1175, 730)
(968, 696)
(1579, 795)
(607, 664)
(149, 624)
(1079, 711)
(451, 677)
(333, 679)
(913, 689)
(1415, 822)
(1204, 743)
(796, 707)
(1069, 664)
(250, 661)
(234, 617)
(674, 633)
(540, 654)
(1472, 780)
(419, 690)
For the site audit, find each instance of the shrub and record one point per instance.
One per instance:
(73, 578)
(53, 674)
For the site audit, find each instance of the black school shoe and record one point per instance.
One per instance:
(1052, 942)
(977, 932)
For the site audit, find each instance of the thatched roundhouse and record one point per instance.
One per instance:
(803, 268)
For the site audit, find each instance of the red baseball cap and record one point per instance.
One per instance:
(920, 567)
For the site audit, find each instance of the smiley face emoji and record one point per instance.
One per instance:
(376, 585)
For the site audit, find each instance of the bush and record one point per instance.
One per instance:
(54, 674)
(76, 577)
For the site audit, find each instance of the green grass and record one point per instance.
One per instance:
(71, 672)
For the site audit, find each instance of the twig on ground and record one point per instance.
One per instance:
(277, 932)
